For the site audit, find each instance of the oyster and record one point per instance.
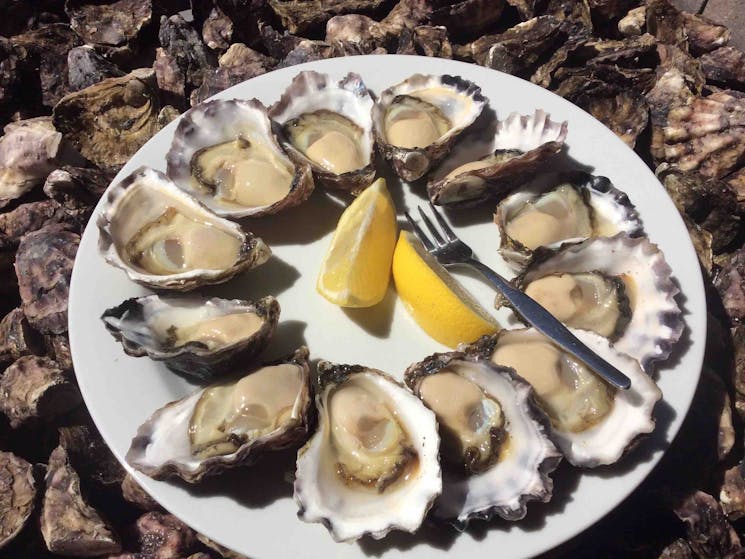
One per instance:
(372, 465)
(17, 495)
(164, 239)
(495, 452)
(225, 155)
(328, 126)
(568, 207)
(618, 287)
(592, 423)
(476, 171)
(226, 424)
(193, 335)
(418, 120)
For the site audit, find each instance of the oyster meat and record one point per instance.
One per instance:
(495, 452)
(225, 155)
(477, 171)
(164, 239)
(328, 125)
(418, 120)
(618, 287)
(196, 336)
(372, 465)
(592, 423)
(558, 209)
(227, 424)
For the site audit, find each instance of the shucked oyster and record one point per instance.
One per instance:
(328, 125)
(418, 120)
(193, 335)
(165, 239)
(226, 424)
(372, 466)
(478, 170)
(225, 155)
(569, 207)
(494, 448)
(592, 423)
(619, 287)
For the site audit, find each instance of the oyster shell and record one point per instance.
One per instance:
(328, 126)
(495, 452)
(17, 495)
(227, 424)
(725, 66)
(477, 171)
(164, 239)
(418, 120)
(193, 335)
(592, 423)
(558, 209)
(618, 287)
(372, 465)
(225, 155)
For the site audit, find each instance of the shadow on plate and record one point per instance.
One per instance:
(289, 336)
(271, 278)
(375, 320)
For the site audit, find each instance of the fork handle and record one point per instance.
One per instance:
(545, 322)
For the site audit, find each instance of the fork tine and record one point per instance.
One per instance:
(443, 224)
(419, 233)
(432, 229)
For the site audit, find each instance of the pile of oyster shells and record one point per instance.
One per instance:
(84, 85)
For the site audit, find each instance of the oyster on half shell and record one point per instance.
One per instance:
(592, 423)
(193, 335)
(225, 154)
(619, 287)
(164, 239)
(227, 424)
(495, 452)
(372, 465)
(418, 120)
(478, 170)
(561, 208)
(328, 125)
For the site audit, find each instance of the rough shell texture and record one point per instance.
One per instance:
(28, 217)
(298, 16)
(523, 475)
(404, 505)
(169, 426)
(709, 533)
(70, 526)
(218, 121)
(85, 67)
(130, 324)
(535, 137)
(703, 34)
(605, 200)
(108, 122)
(110, 23)
(732, 494)
(656, 321)
(162, 536)
(730, 282)
(17, 338)
(134, 494)
(468, 17)
(77, 188)
(17, 495)
(44, 266)
(630, 416)
(462, 104)
(725, 66)
(36, 388)
(253, 250)
(311, 91)
(90, 457)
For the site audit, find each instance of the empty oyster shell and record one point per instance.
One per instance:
(418, 120)
(568, 207)
(328, 125)
(495, 452)
(193, 335)
(164, 239)
(226, 424)
(225, 155)
(619, 287)
(478, 170)
(592, 423)
(372, 465)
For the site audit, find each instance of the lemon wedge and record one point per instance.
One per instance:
(357, 267)
(438, 303)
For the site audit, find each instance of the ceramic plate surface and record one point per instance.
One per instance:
(251, 510)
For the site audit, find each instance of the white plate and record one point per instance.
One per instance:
(251, 510)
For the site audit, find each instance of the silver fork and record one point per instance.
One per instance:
(451, 251)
